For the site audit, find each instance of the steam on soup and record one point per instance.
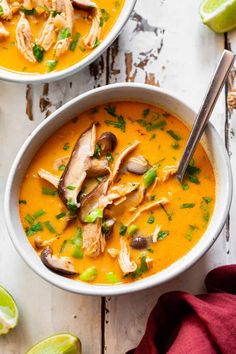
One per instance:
(100, 201)
(40, 36)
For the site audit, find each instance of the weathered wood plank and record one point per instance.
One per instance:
(162, 45)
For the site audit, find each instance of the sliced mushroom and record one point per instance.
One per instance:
(139, 242)
(98, 168)
(147, 207)
(77, 167)
(137, 165)
(107, 227)
(126, 264)
(93, 240)
(107, 142)
(62, 265)
(49, 177)
(121, 158)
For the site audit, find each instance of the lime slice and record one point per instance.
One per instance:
(58, 344)
(219, 15)
(8, 312)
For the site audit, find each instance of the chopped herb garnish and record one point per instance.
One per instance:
(22, 201)
(146, 112)
(38, 52)
(61, 215)
(30, 231)
(55, 13)
(185, 186)
(143, 268)
(151, 126)
(187, 206)
(50, 227)
(71, 188)
(192, 171)
(75, 41)
(66, 146)
(49, 191)
(104, 17)
(151, 219)
(175, 146)
(97, 43)
(64, 33)
(39, 213)
(98, 151)
(132, 229)
(94, 215)
(189, 234)
(82, 49)
(61, 167)
(111, 110)
(119, 124)
(174, 135)
(149, 177)
(162, 235)
(29, 218)
(105, 228)
(28, 12)
(71, 206)
(193, 179)
(110, 157)
(123, 229)
(153, 197)
(51, 64)
(207, 199)
(153, 137)
(205, 208)
(166, 212)
(1, 11)
(150, 250)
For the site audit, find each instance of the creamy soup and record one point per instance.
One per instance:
(100, 201)
(41, 36)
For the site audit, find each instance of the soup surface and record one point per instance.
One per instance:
(118, 213)
(41, 36)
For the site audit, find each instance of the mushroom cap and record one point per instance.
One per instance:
(107, 142)
(137, 164)
(61, 265)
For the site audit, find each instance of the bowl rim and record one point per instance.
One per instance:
(109, 290)
(31, 78)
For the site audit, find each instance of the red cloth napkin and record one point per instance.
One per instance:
(181, 323)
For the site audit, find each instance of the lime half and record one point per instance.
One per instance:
(219, 15)
(8, 312)
(58, 344)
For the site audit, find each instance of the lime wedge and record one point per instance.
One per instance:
(219, 15)
(58, 344)
(8, 312)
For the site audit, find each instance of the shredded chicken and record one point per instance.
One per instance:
(59, 22)
(39, 243)
(93, 239)
(15, 7)
(48, 35)
(126, 265)
(49, 177)
(3, 33)
(168, 171)
(7, 14)
(155, 233)
(147, 207)
(62, 46)
(95, 30)
(232, 99)
(113, 252)
(24, 39)
(121, 158)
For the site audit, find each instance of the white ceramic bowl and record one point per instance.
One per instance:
(41, 78)
(136, 92)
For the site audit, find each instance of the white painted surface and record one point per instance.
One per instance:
(164, 42)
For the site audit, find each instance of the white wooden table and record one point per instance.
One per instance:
(164, 43)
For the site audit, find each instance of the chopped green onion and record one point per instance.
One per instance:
(22, 201)
(185, 186)
(187, 206)
(162, 235)
(94, 215)
(98, 151)
(97, 43)
(112, 278)
(123, 229)
(51, 65)
(146, 112)
(132, 229)
(61, 215)
(50, 227)
(149, 177)
(193, 179)
(61, 167)
(174, 135)
(63, 34)
(166, 212)
(28, 12)
(71, 205)
(66, 147)
(39, 213)
(29, 218)
(110, 157)
(71, 188)
(77, 252)
(89, 274)
(175, 146)
(34, 228)
(1, 11)
(49, 191)
(151, 219)
(207, 199)
(38, 52)
(75, 41)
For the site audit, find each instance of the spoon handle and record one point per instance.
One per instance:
(206, 109)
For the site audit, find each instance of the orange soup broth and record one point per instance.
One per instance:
(186, 225)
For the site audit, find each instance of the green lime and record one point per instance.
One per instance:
(219, 15)
(8, 312)
(59, 344)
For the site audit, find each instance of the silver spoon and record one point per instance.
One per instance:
(200, 123)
